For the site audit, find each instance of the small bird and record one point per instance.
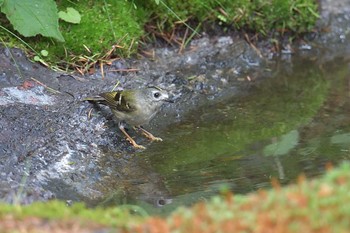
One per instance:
(135, 107)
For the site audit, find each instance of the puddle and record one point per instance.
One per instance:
(233, 127)
(295, 122)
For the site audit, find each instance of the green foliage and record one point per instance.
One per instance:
(103, 24)
(260, 16)
(294, 15)
(32, 17)
(100, 24)
(70, 16)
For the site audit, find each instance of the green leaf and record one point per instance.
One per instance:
(44, 53)
(70, 16)
(157, 1)
(33, 17)
(341, 139)
(284, 145)
(222, 18)
(1, 2)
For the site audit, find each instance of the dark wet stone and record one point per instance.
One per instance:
(50, 146)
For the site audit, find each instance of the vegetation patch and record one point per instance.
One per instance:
(110, 26)
(320, 205)
(259, 16)
(101, 30)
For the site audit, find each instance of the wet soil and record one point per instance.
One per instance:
(54, 145)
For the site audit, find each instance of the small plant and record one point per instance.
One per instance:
(71, 30)
(33, 17)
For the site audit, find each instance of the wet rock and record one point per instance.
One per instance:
(49, 140)
(50, 146)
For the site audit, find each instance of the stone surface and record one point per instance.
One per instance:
(50, 146)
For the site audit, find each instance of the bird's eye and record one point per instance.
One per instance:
(156, 95)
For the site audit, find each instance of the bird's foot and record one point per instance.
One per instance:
(129, 139)
(134, 144)
(148, 134)
(153, 138)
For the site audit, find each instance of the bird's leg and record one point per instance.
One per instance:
(132, 141)
(147, 134)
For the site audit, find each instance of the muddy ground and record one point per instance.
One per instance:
(51, 148)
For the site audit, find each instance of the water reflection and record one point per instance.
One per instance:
(129, 181)
(294, 122)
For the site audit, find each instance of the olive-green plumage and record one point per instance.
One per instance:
(118, 100)
(135, 107)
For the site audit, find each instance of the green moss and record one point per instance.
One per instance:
(121, 22)
(260, 16)
(103, 24)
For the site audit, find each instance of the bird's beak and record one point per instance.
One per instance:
(167, 99)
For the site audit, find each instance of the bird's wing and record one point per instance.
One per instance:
(119, 100)
(97, 99)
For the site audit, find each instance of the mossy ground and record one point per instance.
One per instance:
(122, 23)
(320, 205)
(104, 24)
(258, 16)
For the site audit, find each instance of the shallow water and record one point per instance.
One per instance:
(294, 122)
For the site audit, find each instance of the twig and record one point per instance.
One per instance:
(49, 88)
(124, 70)
(252, 45)
(183, 41)
(115, 86)
(89, 113)
(102, 72)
